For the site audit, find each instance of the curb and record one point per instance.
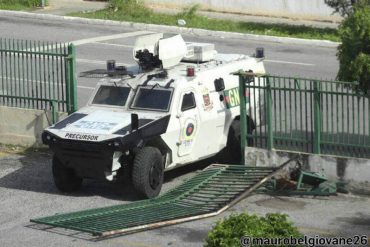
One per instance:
(173, 29)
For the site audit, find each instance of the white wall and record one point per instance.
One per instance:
(302, 9)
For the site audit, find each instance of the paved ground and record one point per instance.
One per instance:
(62, 7)
(27, 191)
(95, 45)
(252, 18)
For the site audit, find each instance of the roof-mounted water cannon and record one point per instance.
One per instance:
(154, 51)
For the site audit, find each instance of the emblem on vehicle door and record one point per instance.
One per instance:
(189, 130)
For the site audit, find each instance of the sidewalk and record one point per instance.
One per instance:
(63, 7)
(250, 18)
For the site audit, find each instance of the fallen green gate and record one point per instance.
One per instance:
(207, 194)
(38, 75)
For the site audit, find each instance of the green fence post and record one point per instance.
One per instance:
(243, 116)
(317, 118)
(270, 135)
(72, 81)
(54, 113)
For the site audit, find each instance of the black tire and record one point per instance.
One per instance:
(232, 153)
(65, 178)
(147, 172)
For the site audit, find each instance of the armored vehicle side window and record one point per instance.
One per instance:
(111, 95)
(153, 99)
(188, 102)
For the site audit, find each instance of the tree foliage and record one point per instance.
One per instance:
(346, 7)
(354, 52)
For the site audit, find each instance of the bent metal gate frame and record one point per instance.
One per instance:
(207, 194)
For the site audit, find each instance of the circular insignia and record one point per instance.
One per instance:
(189, 129)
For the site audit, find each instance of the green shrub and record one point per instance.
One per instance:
(189, 12)
(132, 8)
(354, 52)
(228, 232)
(25, 3)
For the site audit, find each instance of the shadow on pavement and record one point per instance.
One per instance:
(361, 221)
(32, 172)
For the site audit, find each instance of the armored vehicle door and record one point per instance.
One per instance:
(189, 121)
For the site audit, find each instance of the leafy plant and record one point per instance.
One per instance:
(229, 231)
(190, 12)
(346, 7)
(132, 8)
(25, 3)
(354, 52)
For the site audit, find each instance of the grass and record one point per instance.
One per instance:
(133, 12)
(19, 4)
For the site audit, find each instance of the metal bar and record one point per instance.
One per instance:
(31, 52)
(243, 117)
(54, 112)
(317, 118)
(270, 135)
(72, 78)
(28, 98)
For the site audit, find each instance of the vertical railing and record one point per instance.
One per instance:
(305, 115)
(38, 75)
(243, 116)
(268, 97)
(317, 117)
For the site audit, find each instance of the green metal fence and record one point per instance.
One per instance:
(38, 75)
(307, 115)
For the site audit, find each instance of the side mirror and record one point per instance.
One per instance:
(219, 85)
(134, 121)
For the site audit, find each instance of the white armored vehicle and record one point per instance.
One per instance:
(177, 106)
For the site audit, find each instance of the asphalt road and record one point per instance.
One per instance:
(95, 45)
(27, 191)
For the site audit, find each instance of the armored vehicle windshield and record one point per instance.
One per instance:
(111, 95)
(152, 99)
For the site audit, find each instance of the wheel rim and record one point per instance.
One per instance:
(155, 176)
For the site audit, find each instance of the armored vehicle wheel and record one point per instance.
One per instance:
(147, 172)
(232, 153)
(64, 178)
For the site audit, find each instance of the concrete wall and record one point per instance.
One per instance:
(20, 126)
(301, 9)
(354, 171)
